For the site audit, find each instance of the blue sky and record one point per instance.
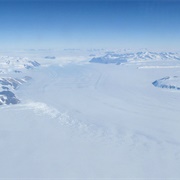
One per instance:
(90, 24)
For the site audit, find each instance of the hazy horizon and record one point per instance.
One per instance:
(90, 24)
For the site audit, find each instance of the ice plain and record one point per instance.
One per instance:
(79, 119)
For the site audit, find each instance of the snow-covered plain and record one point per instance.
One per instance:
(78, 119)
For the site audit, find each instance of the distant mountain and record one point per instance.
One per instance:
(109, 58)
(50, 57)
(16, 64)
(138, 56)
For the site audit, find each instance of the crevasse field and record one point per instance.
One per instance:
(89, 114)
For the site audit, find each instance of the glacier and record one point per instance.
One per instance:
(79, 119)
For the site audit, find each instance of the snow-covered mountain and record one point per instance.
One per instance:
(168, 82)
(118, 58)
(7, 86)
(16, 64)
(8, 97)
(110, 58)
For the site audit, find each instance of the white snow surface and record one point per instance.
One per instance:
(82, 120)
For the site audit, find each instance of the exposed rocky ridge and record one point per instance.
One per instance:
(168, 82)
(7, 86)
